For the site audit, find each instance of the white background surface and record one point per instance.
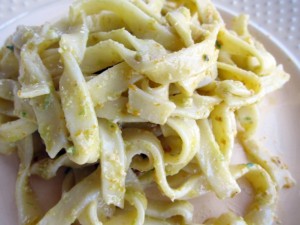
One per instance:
(280, 19)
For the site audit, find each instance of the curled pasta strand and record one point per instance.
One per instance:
(262, 210)
(140, 139)
(248, 119)
(68, 209)
(138, 22)
(78, 106)
(224, 129)
(214, 164)
(188, 131)
(113, 162)
(29, 211)
(89, 215)
(165, 210)
(47, 168)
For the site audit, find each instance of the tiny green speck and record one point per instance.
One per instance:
(71, 150)
(218, 45)
(10, 47)
(138, 57)
(248, 118)
(82, 112)
(47, 102)
(205, 57)
(249, 165)
(23, 114)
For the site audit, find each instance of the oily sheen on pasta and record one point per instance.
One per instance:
(132, 95)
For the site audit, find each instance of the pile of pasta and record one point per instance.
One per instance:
(131, 95)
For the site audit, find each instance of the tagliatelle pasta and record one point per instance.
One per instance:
(136, 97)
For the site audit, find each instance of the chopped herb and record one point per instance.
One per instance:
(218, 45)
(71, 150)
(47, 102)
(10, 47)
(23, 114)
(82, 112)
(248, 118)
(249, 165)
(138, 57)
(205, 57)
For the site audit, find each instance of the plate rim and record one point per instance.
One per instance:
(252, 24)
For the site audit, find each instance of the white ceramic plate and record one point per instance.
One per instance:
(279, 129)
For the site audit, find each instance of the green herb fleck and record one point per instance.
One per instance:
(249, 165)
(248, 118)
(10, 47)
(82, 112)
(47, 102)
(218, 45)
(138, 57)
(205, 57)
(71, 150)
(23, 114)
